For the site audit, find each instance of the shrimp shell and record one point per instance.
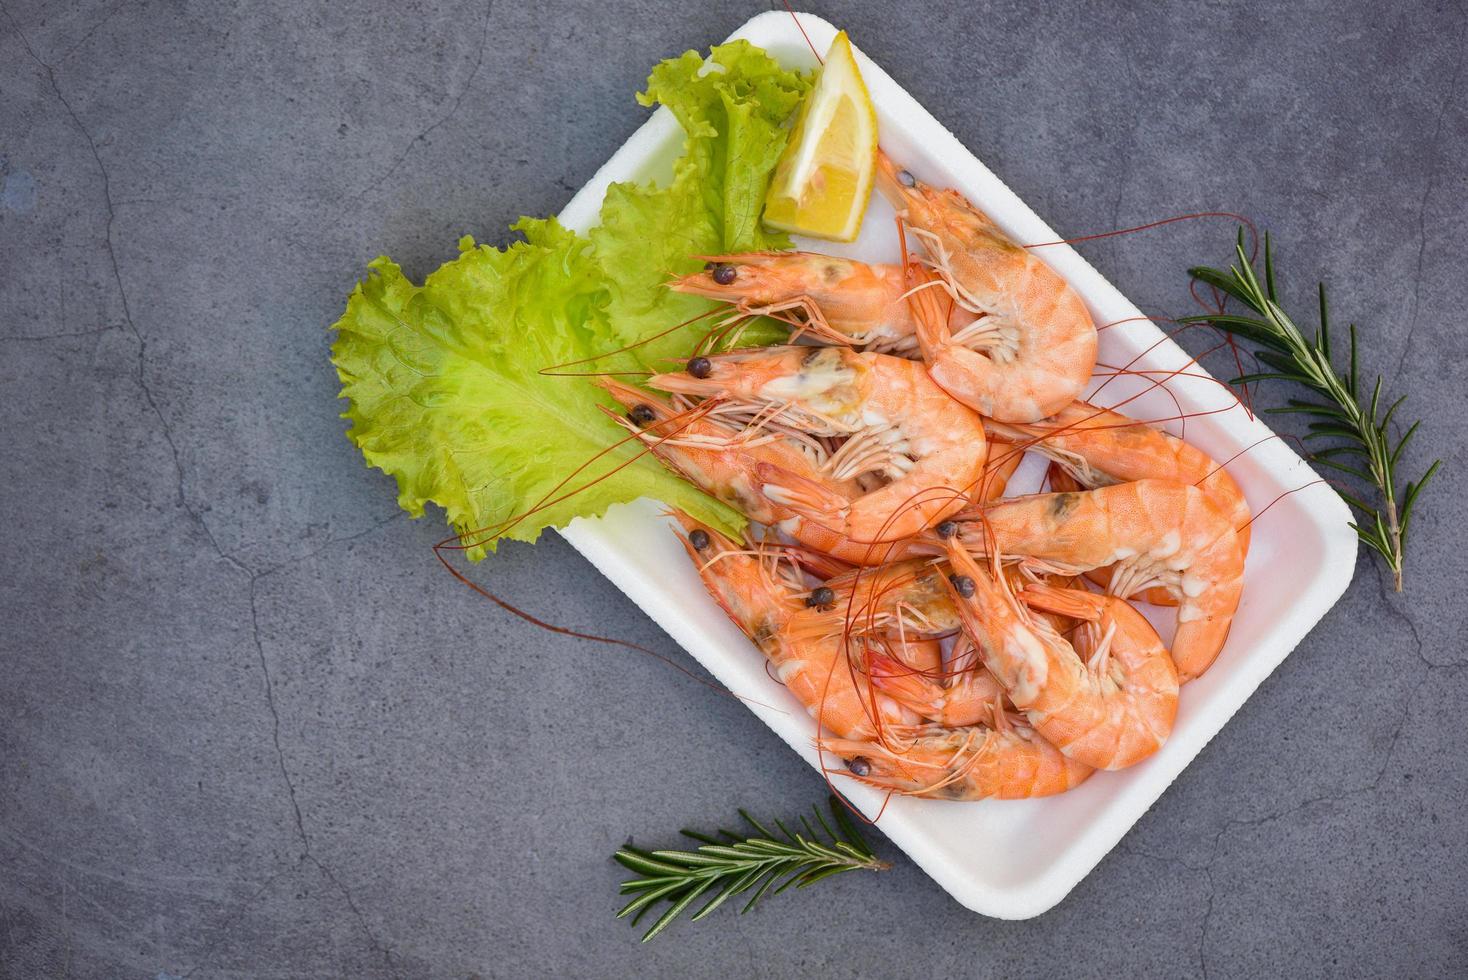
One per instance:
(1156, 532)
(1032, 347)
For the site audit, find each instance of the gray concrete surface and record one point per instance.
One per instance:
(248, 728)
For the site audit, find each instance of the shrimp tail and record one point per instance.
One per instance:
(1196, 645)
(930, 317)
(898, 680)
(1004, 459)
(1075, 603)
(801, 495)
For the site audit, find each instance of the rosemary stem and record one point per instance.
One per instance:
(728, 865)
(1396, 536)
(1361, 428)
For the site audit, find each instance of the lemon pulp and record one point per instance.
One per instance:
(823, 180)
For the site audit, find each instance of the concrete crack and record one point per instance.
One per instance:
(127, 316)
(306, 854)
(1428, 188)
(1391, 600)
(253, 576)
(1206, 867)
(1402, 719)
(1206, 871)
(290, 785)
(329, 543)
(57, 336)
(385, 951)
(1207, 922)
(453, 108)
(111, 12)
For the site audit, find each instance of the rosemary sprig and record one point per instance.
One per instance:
(729, 865)
(1364, 448)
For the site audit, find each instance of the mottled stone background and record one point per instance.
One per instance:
(248, 727)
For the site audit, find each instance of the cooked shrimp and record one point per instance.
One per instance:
(897, 424)
(715, 455)
(1062, 481)
(755, 589)
(1093, 615)
(1095, 447)
(973, 692)
(1004, 459)
(923, 657)
(817, 564)
(724, 459)
(971, 697)
(1109, 712)
(907, 598)
(762, 601)
(1033, 345)
(1009, 762)
(1156, 533)
(832, 299)
(1099, 447)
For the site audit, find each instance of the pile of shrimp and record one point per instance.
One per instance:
(951, 642)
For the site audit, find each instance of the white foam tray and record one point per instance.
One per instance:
(1010, 859)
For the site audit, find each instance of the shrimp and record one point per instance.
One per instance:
(1008, 762)
(1095, 617)
(715, 455)
(971, 697)
(897, 424)
(724, 459)
(1004, 459)
(907, 598)
(756, 592)
(832, 299)
(923, 657)
(1099, 447)
(1157, 533)
(763, 602)
(910, 600)
(1033, 345)
(1094, 447)
(970, 692)
(1109, 712)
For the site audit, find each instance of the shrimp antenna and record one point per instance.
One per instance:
(554, 370)
(1253, 232)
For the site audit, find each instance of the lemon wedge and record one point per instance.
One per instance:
(823, 181)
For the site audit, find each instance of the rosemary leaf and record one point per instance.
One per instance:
(735, 865)
(1362, 431)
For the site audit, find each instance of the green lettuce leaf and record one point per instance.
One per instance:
(447, 395)
(732, 107)
(443, 378)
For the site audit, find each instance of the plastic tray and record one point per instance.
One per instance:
(1010, 859)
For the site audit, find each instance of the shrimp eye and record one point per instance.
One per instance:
(724, 273)
(821, 597)
(642, 414)
(699, 538)
(859, 765)
(963, 585)
(700, 367)
(947, 529)
(906, 179)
